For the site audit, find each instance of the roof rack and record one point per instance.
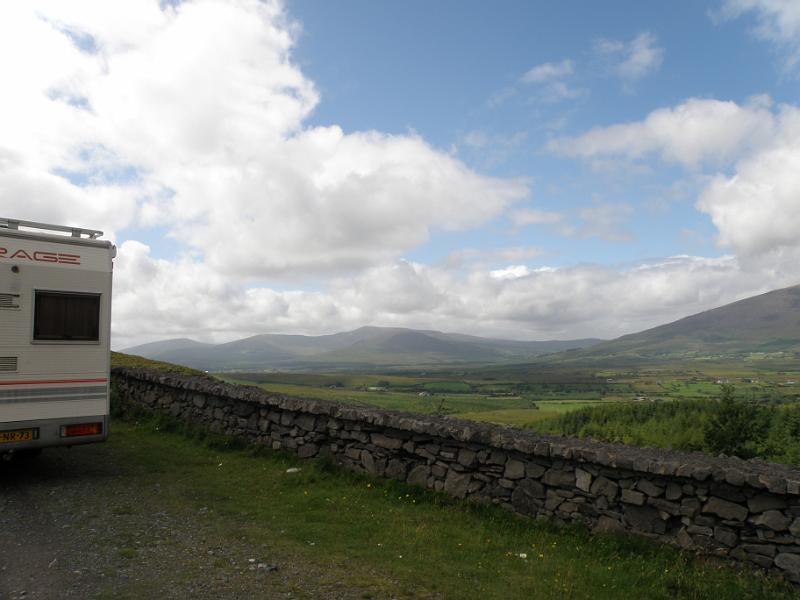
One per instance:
(75, 232)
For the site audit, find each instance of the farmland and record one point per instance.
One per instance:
(525, 395)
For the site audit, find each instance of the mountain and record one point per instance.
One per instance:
(764, 324)
(364, 347)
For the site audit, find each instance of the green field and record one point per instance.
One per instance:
(665, 406)
(526, 395)
(390, 540)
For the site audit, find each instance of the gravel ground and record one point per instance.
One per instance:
(75, 524)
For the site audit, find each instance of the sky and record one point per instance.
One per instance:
(527, 170)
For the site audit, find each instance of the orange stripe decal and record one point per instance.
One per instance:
(47, 381)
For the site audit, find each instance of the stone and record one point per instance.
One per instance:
(199, 400)
(775, 484)
(765, 502)
(671, 508)
(396, 469)
(765, 562)
(534, 470)
(684, 539)
(557, 477)
(644, 518)
(774, 519)
(633, 497)
(306, 422)
(307, 450)
(456, 484)
(649, 488)
(788, 562)
(383, 441)
(568, 507)
(794, 528)
(698, 530)
(419, 475)
(515, 469)
(438, 471)
(690, 507)
(726, 536)
(762, 549)
(734, 477)
(724, 509)
(466, 457)
(583, 480)
(527, 496)
(497, 457)
(603, 486)
(727, 492)
(673, 491)
(553, 501)
(372, 466)
(607, 524)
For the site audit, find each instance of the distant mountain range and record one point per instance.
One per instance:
(767, 324)
(367, 346)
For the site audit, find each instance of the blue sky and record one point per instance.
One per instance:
(530, 170)
(441, 69)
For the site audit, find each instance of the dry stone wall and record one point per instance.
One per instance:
(747, 511)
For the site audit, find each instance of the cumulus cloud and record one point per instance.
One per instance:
(192, 115)
(516, 301)
(696, 131)
(778, 22)
(756, 210)
(549, 71)
(755, 205)
(632, 60)
(550, 81)
(192, 118)
(535, 216)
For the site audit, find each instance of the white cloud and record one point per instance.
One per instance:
(549, 79)
(201, 109)
(193, 118)
(517, 301)
(756, 207)
(549, 71)
(606, 220)
(633, 60)
(535, 216)
(512, 272)
(694, 132)
(778, 22)
(756, 210)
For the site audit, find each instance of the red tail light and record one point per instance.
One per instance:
(81, 429)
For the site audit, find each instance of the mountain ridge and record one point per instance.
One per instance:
(767, 323)
(379, 346)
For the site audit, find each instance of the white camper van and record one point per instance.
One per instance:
(55, 315)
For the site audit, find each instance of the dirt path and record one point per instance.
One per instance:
(74, 524)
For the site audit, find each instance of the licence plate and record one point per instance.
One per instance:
(17, 435)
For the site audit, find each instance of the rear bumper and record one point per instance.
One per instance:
(48, 433)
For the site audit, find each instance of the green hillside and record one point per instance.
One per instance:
(764, 326)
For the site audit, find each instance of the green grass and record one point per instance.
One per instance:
(522, 417)
(119, 359)
(395, 540)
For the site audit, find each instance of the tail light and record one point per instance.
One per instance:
(79, 429)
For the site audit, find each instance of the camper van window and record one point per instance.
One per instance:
(65, 316)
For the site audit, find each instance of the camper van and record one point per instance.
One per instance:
(55, 316)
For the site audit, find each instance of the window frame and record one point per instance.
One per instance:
(67, 341)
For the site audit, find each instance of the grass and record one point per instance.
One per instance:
(395, 540)
(118, 359)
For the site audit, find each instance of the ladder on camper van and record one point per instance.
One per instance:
(76, 232)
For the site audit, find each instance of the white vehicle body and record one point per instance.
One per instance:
(55, 316)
